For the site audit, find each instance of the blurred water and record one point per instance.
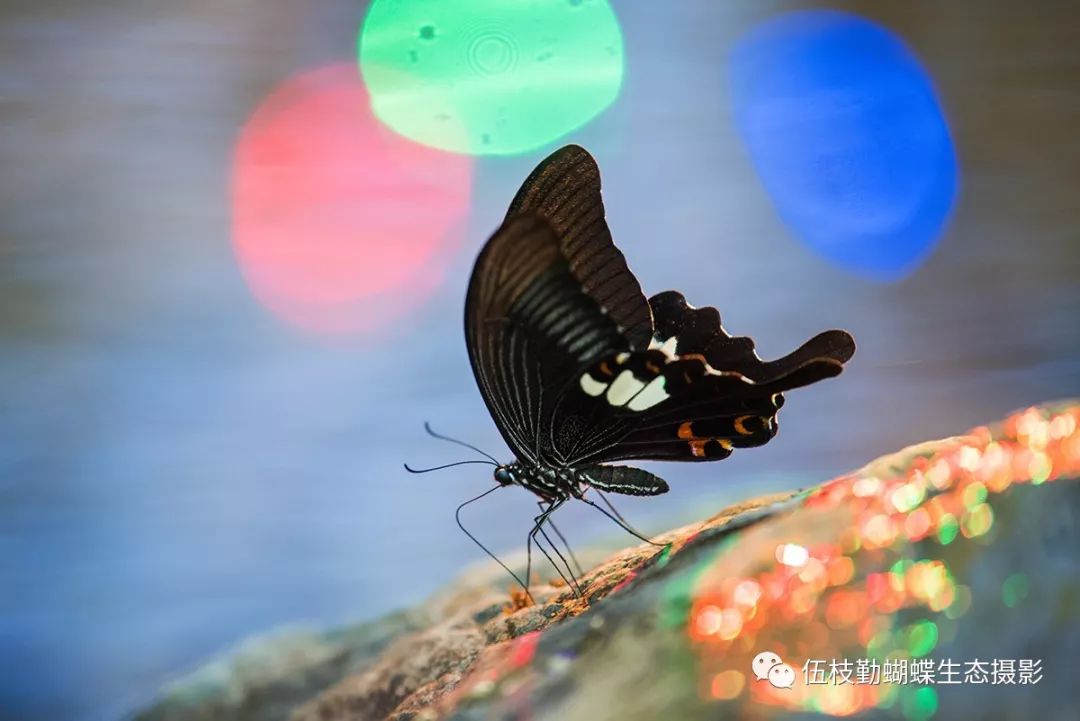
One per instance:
(179, 470)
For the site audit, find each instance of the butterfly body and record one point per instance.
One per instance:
(552, 483)
(580, 370)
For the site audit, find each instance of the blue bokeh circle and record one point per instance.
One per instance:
(845, 131)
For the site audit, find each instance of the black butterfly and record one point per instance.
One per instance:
(578, 369)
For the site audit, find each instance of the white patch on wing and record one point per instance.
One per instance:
(592, 386)
(669, 345)
(623, 388)
(652, 394)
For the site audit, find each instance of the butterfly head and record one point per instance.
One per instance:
(504, 476)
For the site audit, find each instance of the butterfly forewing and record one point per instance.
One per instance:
(565, 190)
(529, 326)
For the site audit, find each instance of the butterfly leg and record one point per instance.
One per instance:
(566, 544)
(537, 528)
(528, 546)
(570, 572)
(620, 523)
(457, 517)
(611, 506)
(568, 578)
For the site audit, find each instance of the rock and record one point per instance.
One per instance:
(955, 559)
(268, 677)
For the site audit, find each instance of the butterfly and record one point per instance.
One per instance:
(580, 371)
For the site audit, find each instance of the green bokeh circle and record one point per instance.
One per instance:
(490, 77)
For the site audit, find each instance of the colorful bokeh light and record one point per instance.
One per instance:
(339, 225)
(844, 129)
(488, 77)
(887, 589)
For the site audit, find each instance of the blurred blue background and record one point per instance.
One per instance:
(203, 416)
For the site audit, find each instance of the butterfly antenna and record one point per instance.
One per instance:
(431, 432)
(448, 465)
(457, 517)
(623, 525)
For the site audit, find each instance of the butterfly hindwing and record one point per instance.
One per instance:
(699, 331)
(697, 395)
(653, 406)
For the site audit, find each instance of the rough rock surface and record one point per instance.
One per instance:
(956, 558)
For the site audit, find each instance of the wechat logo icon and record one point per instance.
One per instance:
(768, 666)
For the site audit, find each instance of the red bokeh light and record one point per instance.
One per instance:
(339, 225)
